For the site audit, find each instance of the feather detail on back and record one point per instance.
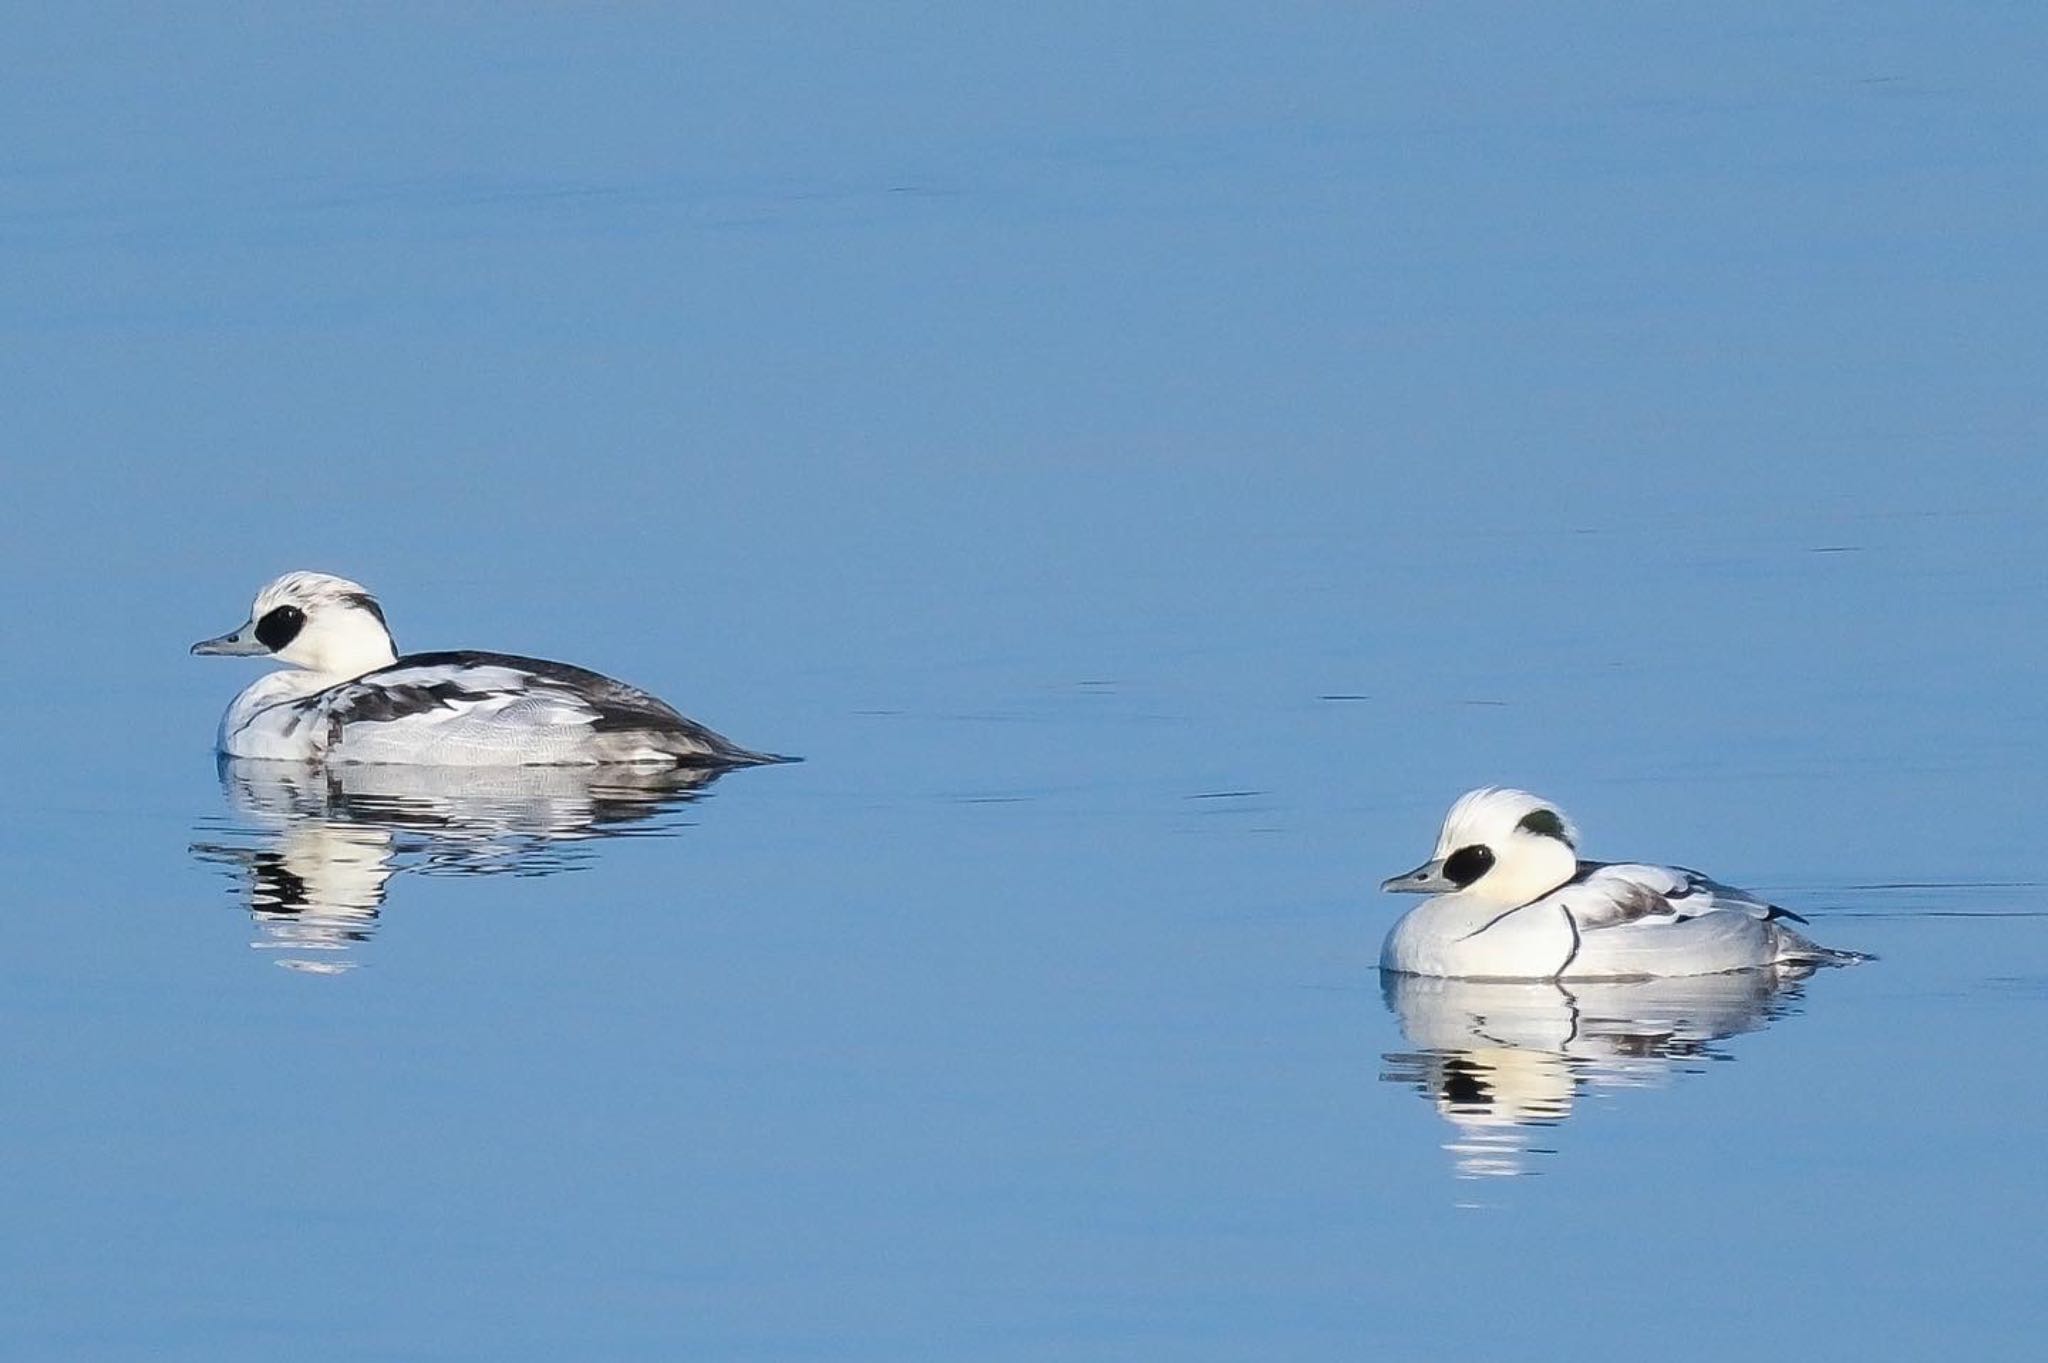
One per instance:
(1608, 894)
(467, 708)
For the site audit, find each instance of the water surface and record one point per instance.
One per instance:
(1147, 462)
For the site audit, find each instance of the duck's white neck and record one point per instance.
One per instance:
(1529, 868)
(338, 646)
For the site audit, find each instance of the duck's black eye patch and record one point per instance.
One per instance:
(280, 626)
(1546, 823)
(1467, 864)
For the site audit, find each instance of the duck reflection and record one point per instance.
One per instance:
(315, 849)
(1503, 1062)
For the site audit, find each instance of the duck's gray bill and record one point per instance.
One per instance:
(233, 644)
(1427, 878)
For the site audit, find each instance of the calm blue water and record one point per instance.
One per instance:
(1147, 463)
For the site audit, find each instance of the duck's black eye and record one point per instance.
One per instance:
(1467, 864)
(280, 626)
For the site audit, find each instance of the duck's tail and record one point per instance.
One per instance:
(683, 742)
(1795, 949)
(747, 757)
(697, 746)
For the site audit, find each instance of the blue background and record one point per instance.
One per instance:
(1032, 417)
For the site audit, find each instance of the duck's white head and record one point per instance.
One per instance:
(1504, 846)
(325, 624)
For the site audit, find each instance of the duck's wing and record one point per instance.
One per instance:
(481, 708)
(1612, 894)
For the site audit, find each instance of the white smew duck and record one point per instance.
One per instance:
(1510, 900)
(349, 697)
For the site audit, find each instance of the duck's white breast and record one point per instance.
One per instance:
(270, 720)
(1452, 936)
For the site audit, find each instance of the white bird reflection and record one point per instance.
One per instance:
(315, 849)
(1504, 1062)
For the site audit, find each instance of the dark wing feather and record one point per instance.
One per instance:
(382, 696)
(611, 706)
